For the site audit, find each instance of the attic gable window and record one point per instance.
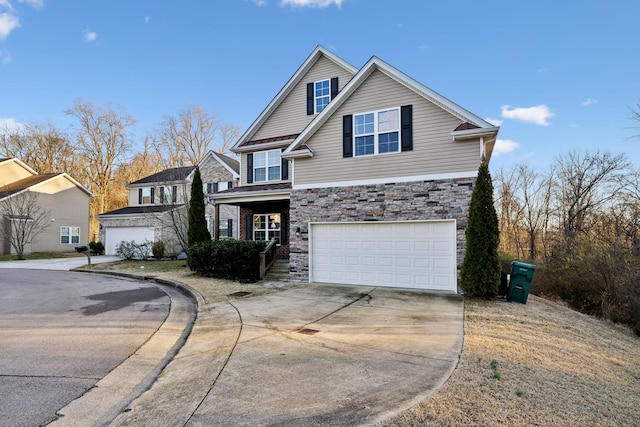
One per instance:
(377, 132)
(321, 95)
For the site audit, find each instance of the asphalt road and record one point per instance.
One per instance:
(61, 332)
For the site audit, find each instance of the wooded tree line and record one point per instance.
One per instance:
(579, 222)
(101, 152)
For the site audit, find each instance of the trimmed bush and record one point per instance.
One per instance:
(97, 248)
(158, 249)
(226, 259)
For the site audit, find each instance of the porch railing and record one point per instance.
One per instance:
(267, 257)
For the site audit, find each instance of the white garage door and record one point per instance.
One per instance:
(397, 254)
(114, 235)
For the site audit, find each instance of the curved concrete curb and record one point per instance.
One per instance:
(113, 393)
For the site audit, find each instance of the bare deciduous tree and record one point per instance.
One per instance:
(103, 140)
(584, 183)
(185, 139)
(42, 146)
(24, 219)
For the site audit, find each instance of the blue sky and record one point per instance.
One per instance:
(555, 75)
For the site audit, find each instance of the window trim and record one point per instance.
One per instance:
(376, 132)
(316, 97)
(267, 166)
(267, 230)
(69, 235)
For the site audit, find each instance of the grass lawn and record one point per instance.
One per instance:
(42, 255)
(538, 363)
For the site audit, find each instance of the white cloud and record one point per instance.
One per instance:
(8, 23)
(147, 19)
(9, 124)
(38, 4)
(540, 114)
(589, 101)
(5, 56)
(90, 36)
(311, 3)
(495, 122)
(6, 5)
(504, 146)
(260, 2)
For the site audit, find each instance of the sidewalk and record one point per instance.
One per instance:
(57, 263)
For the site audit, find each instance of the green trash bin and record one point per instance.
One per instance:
(520, 281)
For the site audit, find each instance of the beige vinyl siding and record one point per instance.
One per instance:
(434, 151)
(291, 115)
(68, 206)
(11, 172)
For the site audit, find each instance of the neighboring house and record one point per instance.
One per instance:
(66, 200)
(363, 176)
(158, 206)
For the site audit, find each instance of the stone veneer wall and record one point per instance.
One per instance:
(424, 200)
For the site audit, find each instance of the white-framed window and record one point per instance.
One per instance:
(145, 197)
(321, 95)
(377, 132)
(225, 226)
(167, 194)
(69, 235)
(266, 166)
(266, 227)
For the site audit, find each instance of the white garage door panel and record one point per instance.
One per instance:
(115, 235)
(403, 254)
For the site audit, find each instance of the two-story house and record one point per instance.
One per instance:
(363, 176)
(64, 199)
(158, 206)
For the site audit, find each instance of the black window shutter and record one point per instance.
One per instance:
(174, 194)
(285, 169)
(153, 195)
(406, 127)
(334, 87)
(229, 227)
(249, 231)
(249, 168)
(215, 187)
(139, 196)
(161, 194)
(209, 189)
(347, 139)
(230, 184)
(310, 106)
(284, 229)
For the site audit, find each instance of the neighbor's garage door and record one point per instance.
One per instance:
(398, 254)
(115, 235)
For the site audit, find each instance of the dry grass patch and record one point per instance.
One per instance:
(212, 290)
(536, 364)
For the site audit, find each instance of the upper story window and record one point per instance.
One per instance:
(146, 195)
(266, 166)
(321, 95)
(168, 194)
(376, 132)
(214, 187)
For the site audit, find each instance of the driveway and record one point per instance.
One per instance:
(310, 355)
(62, 333)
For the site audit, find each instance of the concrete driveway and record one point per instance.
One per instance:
(310, 355)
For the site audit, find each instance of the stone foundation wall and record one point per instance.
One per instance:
(424, 200)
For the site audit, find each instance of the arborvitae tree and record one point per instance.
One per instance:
(480, 274)
(198, 231)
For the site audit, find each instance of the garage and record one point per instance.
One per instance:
(407, 254)
(115, 235)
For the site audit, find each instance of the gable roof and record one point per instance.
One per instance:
(167, 175)
(25, 184)
(14, 160)
(137, 210)
(317, 53)
(475, 123)
(229, 163)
